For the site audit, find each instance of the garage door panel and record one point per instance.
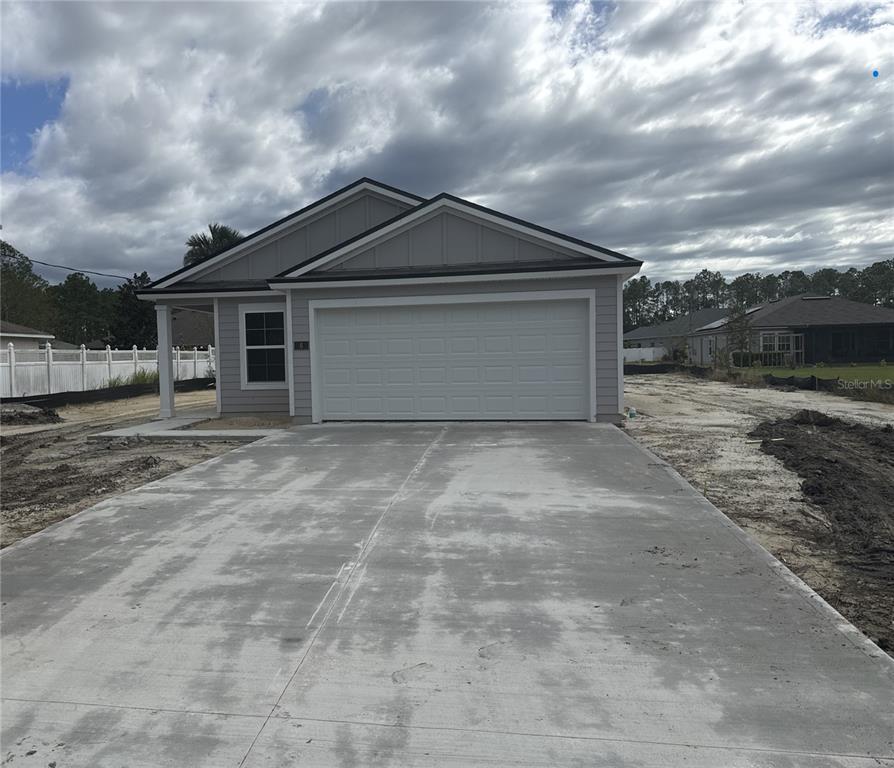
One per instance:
(503, 374)
(532, 343)
(464, 374)
(367, 347)
(399, 376)
(429, 375)
(368, 376)
(503, 360)
(463, 345)
(431, 346)
(469, 405)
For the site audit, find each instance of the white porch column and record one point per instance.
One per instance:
(165, 363)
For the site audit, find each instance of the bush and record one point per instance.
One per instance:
(142, 376)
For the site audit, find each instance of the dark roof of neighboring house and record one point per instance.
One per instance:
(812, 310)
(14, 329)
(679, 326)
(191, 328)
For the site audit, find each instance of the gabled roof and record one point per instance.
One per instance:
(14, 329)
(679, 326)
(300, 271)
(812, 310)
(280, 224)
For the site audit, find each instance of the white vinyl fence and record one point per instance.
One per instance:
(25, 372)
(644, 354)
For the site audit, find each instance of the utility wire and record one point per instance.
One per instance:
(73, 269)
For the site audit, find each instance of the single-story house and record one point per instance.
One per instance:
(23, 337)
(672, 334)
(376, 304)
(804, 330)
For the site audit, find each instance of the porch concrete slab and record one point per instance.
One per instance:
(539, 594)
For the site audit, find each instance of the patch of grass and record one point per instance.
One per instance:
(142, 376)
(860, 372)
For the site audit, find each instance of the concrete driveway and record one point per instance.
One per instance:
(463, 595)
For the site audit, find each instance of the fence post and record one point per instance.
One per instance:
(109, 362)
(177, 365)
(49, 351)
(12, 369)
(83, 368)
(195, 362)
(136, 361)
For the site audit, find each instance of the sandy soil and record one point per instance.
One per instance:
(702, 429)
(52, 471)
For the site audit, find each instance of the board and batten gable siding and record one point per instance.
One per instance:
(234, 399)
(606, 331)
(449, 239)
(331, 226)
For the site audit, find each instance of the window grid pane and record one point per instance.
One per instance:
(265, 365)
(264, 329)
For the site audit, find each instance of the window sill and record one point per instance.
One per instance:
(264, 385)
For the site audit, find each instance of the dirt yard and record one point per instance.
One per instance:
(815, 491)
(51, 471)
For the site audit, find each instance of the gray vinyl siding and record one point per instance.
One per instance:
(330, 226)
(233, 398)
(606, 335)
(450, 239)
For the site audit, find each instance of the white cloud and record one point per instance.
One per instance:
(710, 134)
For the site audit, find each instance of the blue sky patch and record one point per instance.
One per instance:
(856, 18)
(25, 107)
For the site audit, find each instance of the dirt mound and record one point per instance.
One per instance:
(20, 413)
(847, 471)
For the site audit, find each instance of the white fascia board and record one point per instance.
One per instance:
(445, 203)
(477, 278)
(272, 234)
(454, 298)
(26, 336)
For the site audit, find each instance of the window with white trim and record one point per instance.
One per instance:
(263, 348)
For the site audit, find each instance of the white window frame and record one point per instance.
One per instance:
(245, 309)
(315, 305)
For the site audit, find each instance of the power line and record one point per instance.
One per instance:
(74, 269)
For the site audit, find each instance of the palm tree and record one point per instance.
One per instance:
(203, 246)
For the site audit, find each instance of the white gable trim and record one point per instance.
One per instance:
(275, 232)
(448, 204)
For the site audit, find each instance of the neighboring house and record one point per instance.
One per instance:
(23, 337)
(376, 304)
(192, 328)
(672, 334)
(803, 330)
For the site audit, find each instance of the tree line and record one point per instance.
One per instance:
(78, 311)
(75, 310)
(647, 303)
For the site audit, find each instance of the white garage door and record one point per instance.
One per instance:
(497, 360)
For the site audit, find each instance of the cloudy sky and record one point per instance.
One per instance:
(734, 136)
